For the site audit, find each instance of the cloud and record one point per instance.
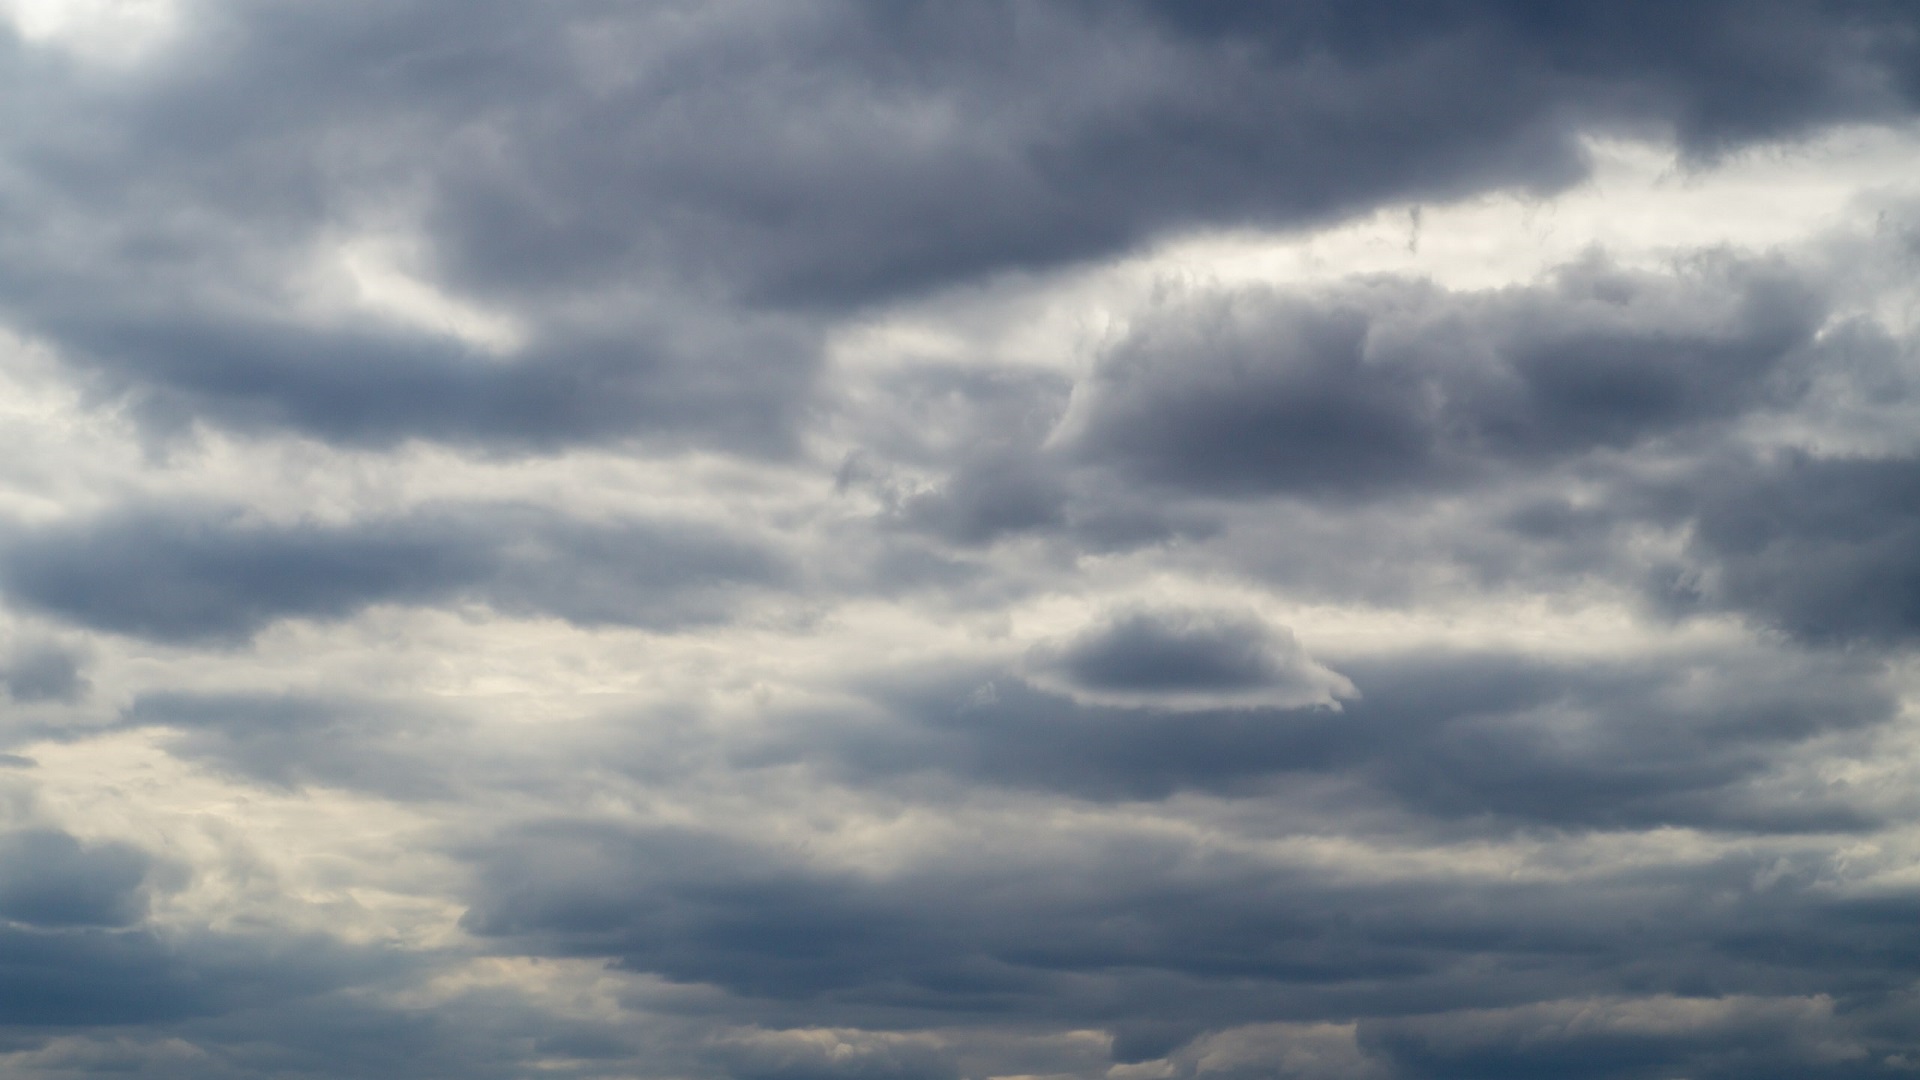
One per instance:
(1821, 547)
(1127, 928)
(781, 541)
(1186, 660)
(1487, 741)
(49, 879)
(381, 747)
(876, 149)
(1387, 384)
(214, 576)
(1727, 1036)
(88, 977)
(43, 671)
(638, 189)
(363, 386)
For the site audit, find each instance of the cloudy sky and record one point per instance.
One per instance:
(818, 539)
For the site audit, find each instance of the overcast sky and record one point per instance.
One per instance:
(792, 540)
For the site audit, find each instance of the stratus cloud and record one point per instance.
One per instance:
(216, 577)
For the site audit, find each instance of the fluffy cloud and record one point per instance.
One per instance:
(1187, 659)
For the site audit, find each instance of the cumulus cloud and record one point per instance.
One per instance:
(1394, 383)
(1187, 660)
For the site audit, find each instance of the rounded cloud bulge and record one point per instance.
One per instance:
(1186, 659)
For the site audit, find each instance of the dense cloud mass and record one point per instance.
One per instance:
(1394, 386)
(902, 541)
(187, 576)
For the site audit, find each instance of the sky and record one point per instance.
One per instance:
(884, 540)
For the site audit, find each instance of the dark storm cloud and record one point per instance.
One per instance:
(50, 879)
(970, 939)
(571, 160)
(1144, 929)
(1151, 652)
(1371, 390)
(1481, 741)
(1189, 658)
(213, 577)
(872, 148)
(1388, 384)
(1825, 548)
(1379, 393)
(1719, 72)
(1687, 740)
(74, 952)
(1020, 491)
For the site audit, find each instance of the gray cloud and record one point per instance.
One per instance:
(171, 574)
(90, 977)
(1487, 741)
(1590, 758)
(1187, 659)
(49, 879)
(833, 153)
(1139, 928)
(1073, 132)
(1395, 384)
(43, 671)
(1822, 547)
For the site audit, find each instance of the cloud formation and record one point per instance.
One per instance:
(787, 541)
(1395, 385)
(1187, 660)
(213, 576)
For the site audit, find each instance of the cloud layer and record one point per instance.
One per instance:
(788, 541)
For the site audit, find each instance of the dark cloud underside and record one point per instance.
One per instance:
(214, 577)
